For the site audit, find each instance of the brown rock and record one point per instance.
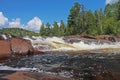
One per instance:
(108, 76)
(36, 51)
(21, 46)
(5, 49)
(22, 75)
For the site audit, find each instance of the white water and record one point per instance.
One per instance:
(17, 69)
(58, 44)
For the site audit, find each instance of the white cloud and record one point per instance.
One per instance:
(16, 23)
(3, 19)
(34, 24)
(111, 1)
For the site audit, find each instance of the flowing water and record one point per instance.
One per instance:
(79, 60)
(61, 44)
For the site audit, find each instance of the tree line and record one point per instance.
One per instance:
(80, 21)
(86, 22)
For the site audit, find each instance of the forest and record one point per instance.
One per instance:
(80, 21)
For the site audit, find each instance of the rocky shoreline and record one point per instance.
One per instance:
(16, 46)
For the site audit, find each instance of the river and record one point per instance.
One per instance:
(78, 60)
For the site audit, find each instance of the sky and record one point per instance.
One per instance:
(30, 14)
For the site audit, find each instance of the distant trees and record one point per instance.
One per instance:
(18, 32)
(57, 29)
(87, 22)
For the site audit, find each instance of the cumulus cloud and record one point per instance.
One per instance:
(111, 1)
(34, 24)
(3, 19)
(16, 23)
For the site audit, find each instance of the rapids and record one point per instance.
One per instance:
(60, 44)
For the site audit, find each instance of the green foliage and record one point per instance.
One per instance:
(56, 29)
(42, 30)
(118, 10)
(63, 28)
(48, 31)
(73, 19)
(87, 22)
(18, 32)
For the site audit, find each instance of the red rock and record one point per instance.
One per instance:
(21, 46)
(108, 76)
(37, 51)
(5, 49)
(22, 75)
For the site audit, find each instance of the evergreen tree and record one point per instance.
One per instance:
(82, 19)
(118, 17)
(48, 29)
(99, 21)
(107, 11)
(73, 19)
(42, 30)
(62, 28)
(55, 29)
(90, 23)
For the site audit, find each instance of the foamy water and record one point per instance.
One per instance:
(59, 44)
(17, 69)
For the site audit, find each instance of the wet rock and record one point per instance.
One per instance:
(21, 46)
(4, 36)
(89, 37)
(5, 49)
(109, 38)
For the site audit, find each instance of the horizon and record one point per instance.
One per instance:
(30, 15)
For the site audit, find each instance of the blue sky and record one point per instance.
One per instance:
(33, 12)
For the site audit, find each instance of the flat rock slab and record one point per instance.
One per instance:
(24, 75)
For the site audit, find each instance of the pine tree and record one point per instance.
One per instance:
(55, 29)
(118, 17)
(62, 28)
(90, 23)
(42, 30)
(73, 19)
(48, 29)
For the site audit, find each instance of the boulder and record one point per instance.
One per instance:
(5, 49)
(21, 46)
